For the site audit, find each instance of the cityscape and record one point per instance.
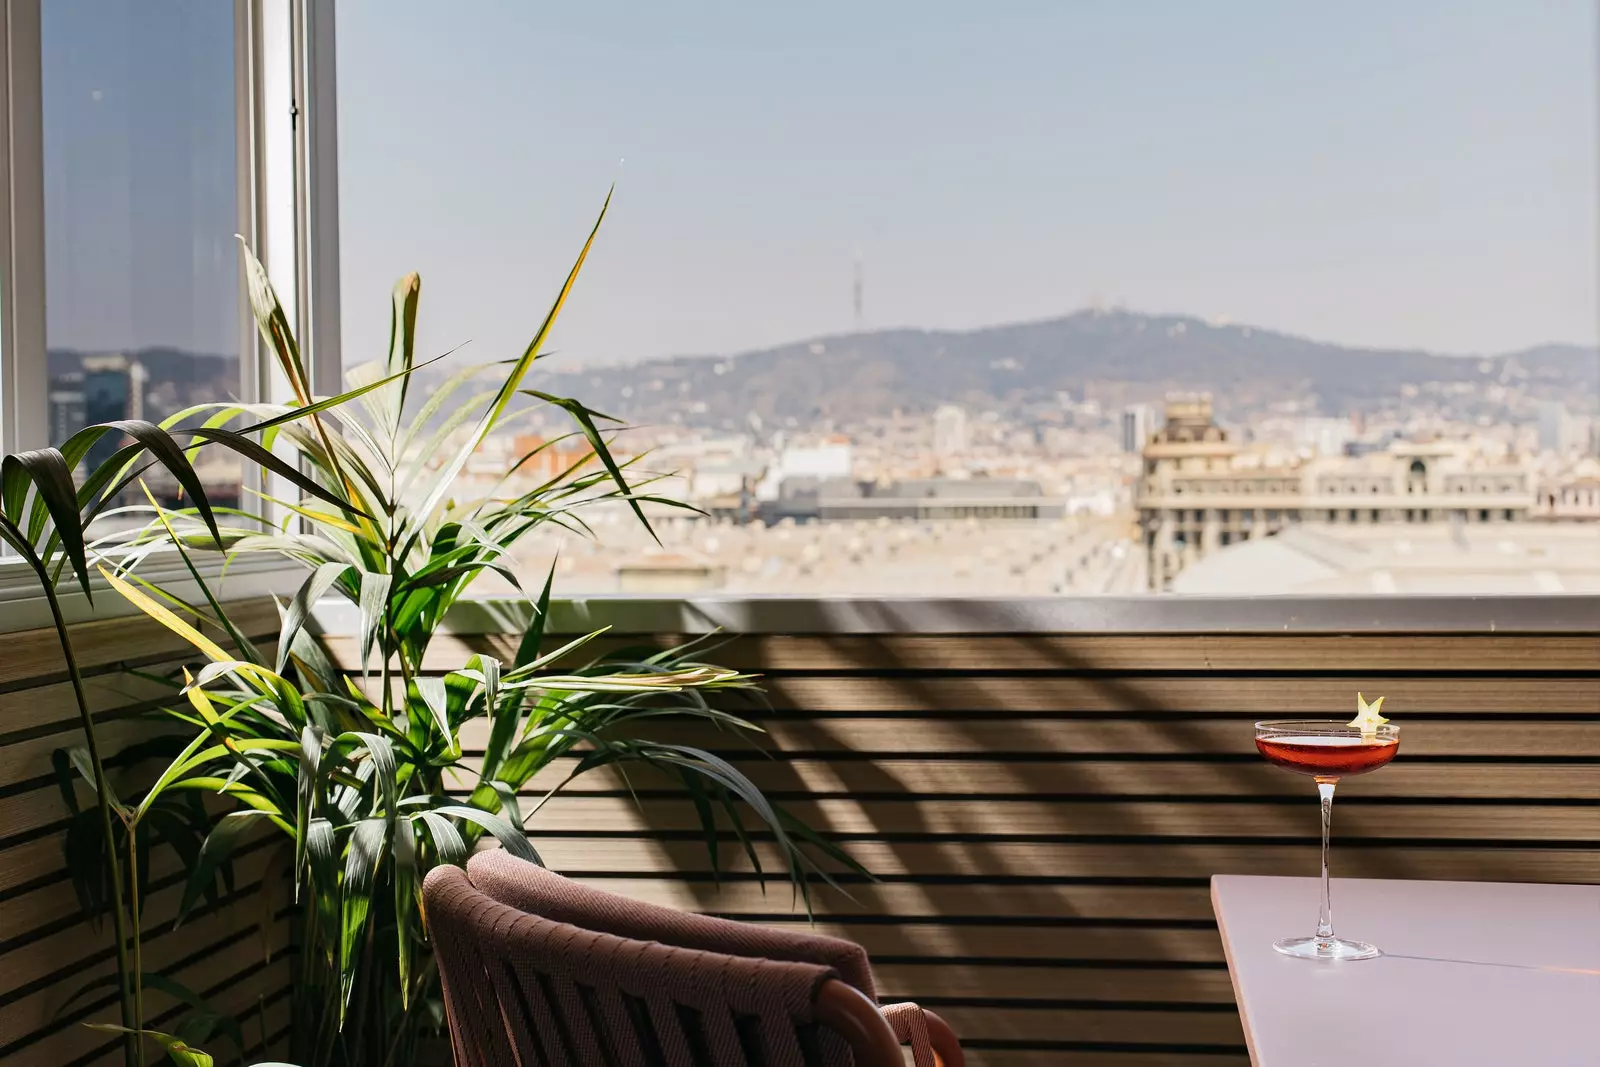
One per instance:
(1485, 479)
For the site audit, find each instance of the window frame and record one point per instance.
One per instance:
(286, 161)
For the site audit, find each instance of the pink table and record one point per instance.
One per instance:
(1493, 973)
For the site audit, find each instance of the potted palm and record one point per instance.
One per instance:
(365, 774)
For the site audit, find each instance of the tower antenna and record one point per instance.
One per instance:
(856, 291)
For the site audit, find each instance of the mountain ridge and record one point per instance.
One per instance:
(1115, 355)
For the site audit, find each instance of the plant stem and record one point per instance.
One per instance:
(137, 963)
(362, 994)
(405, 1030)
(132, 1055)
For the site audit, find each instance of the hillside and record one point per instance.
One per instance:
(1115, 356)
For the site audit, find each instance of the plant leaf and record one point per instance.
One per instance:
(165, 617)
(374, 603)
(404, 849)
(447, 842)
(51, 478)
(218, 850)
(432, 692)
(164, 450)
(402, 344)
(511, 838)
(305, 598)
(508, 389)
(181, 1054)
(584, 417)
(362, 860)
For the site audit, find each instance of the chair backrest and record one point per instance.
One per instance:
(529, 887)
(521, 990)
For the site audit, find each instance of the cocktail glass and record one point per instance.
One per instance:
(1326, 751)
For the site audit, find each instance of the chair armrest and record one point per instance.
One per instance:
(933, 1043)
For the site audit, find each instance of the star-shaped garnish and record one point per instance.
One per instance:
(1367, 718)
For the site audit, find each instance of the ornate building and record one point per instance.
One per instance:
(1200, 491)
(1572, 495)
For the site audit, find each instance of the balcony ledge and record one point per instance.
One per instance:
(1552, 614)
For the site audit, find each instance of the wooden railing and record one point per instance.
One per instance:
(1042, 809)
(48, 952)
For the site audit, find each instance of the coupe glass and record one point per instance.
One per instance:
(1326, 751)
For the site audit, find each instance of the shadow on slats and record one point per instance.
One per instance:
(47, 950)
(1088, 931)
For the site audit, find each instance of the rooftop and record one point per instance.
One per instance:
(1439, 558)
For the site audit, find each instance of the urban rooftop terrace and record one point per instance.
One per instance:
(969, 643)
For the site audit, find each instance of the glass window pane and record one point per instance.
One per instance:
(141, 205)
(1012, 299)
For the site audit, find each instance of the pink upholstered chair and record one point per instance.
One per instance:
(524, 991)
(530, 888)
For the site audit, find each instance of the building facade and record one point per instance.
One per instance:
(1573, 495)
(1136, 427)
(920, 499)
(1200, 491)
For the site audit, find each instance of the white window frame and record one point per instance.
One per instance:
(287, 148)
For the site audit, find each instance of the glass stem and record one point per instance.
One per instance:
(1325, 914)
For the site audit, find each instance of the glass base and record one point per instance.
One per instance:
(1326, 948)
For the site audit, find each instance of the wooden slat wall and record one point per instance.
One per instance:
(236, 954)
(1044, 810)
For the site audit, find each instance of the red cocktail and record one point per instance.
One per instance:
(1327, 757)
(1327, 751)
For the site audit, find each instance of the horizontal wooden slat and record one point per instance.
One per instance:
(82, 941)
(926, 981)
(1148, 736)
(1311, 695)
(1011, 1057)
(43, 806)
(1100, 903)
(1024, 817)
(888, 777)
(1475, 653)
(53, 709)
(983, 860)
(39, 1010)
(55, 901)
(1092, 1025)
(234, 981)
(35, 858)
(245, 1000)
(36, 654)
(906, 940)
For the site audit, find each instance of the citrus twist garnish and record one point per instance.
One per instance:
(1367, 719)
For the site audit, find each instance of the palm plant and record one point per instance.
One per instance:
(44, 516)
(368, 778)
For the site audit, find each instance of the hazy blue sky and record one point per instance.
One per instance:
(1418, 173)
(1412, 174)
(140, 200)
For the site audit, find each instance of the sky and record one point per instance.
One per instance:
(139, 168)
(1418, 174)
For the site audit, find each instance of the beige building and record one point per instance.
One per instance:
(1200, 491)
(1573, 495)
(669, 574)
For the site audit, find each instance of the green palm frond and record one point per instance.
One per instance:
(366, 771)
